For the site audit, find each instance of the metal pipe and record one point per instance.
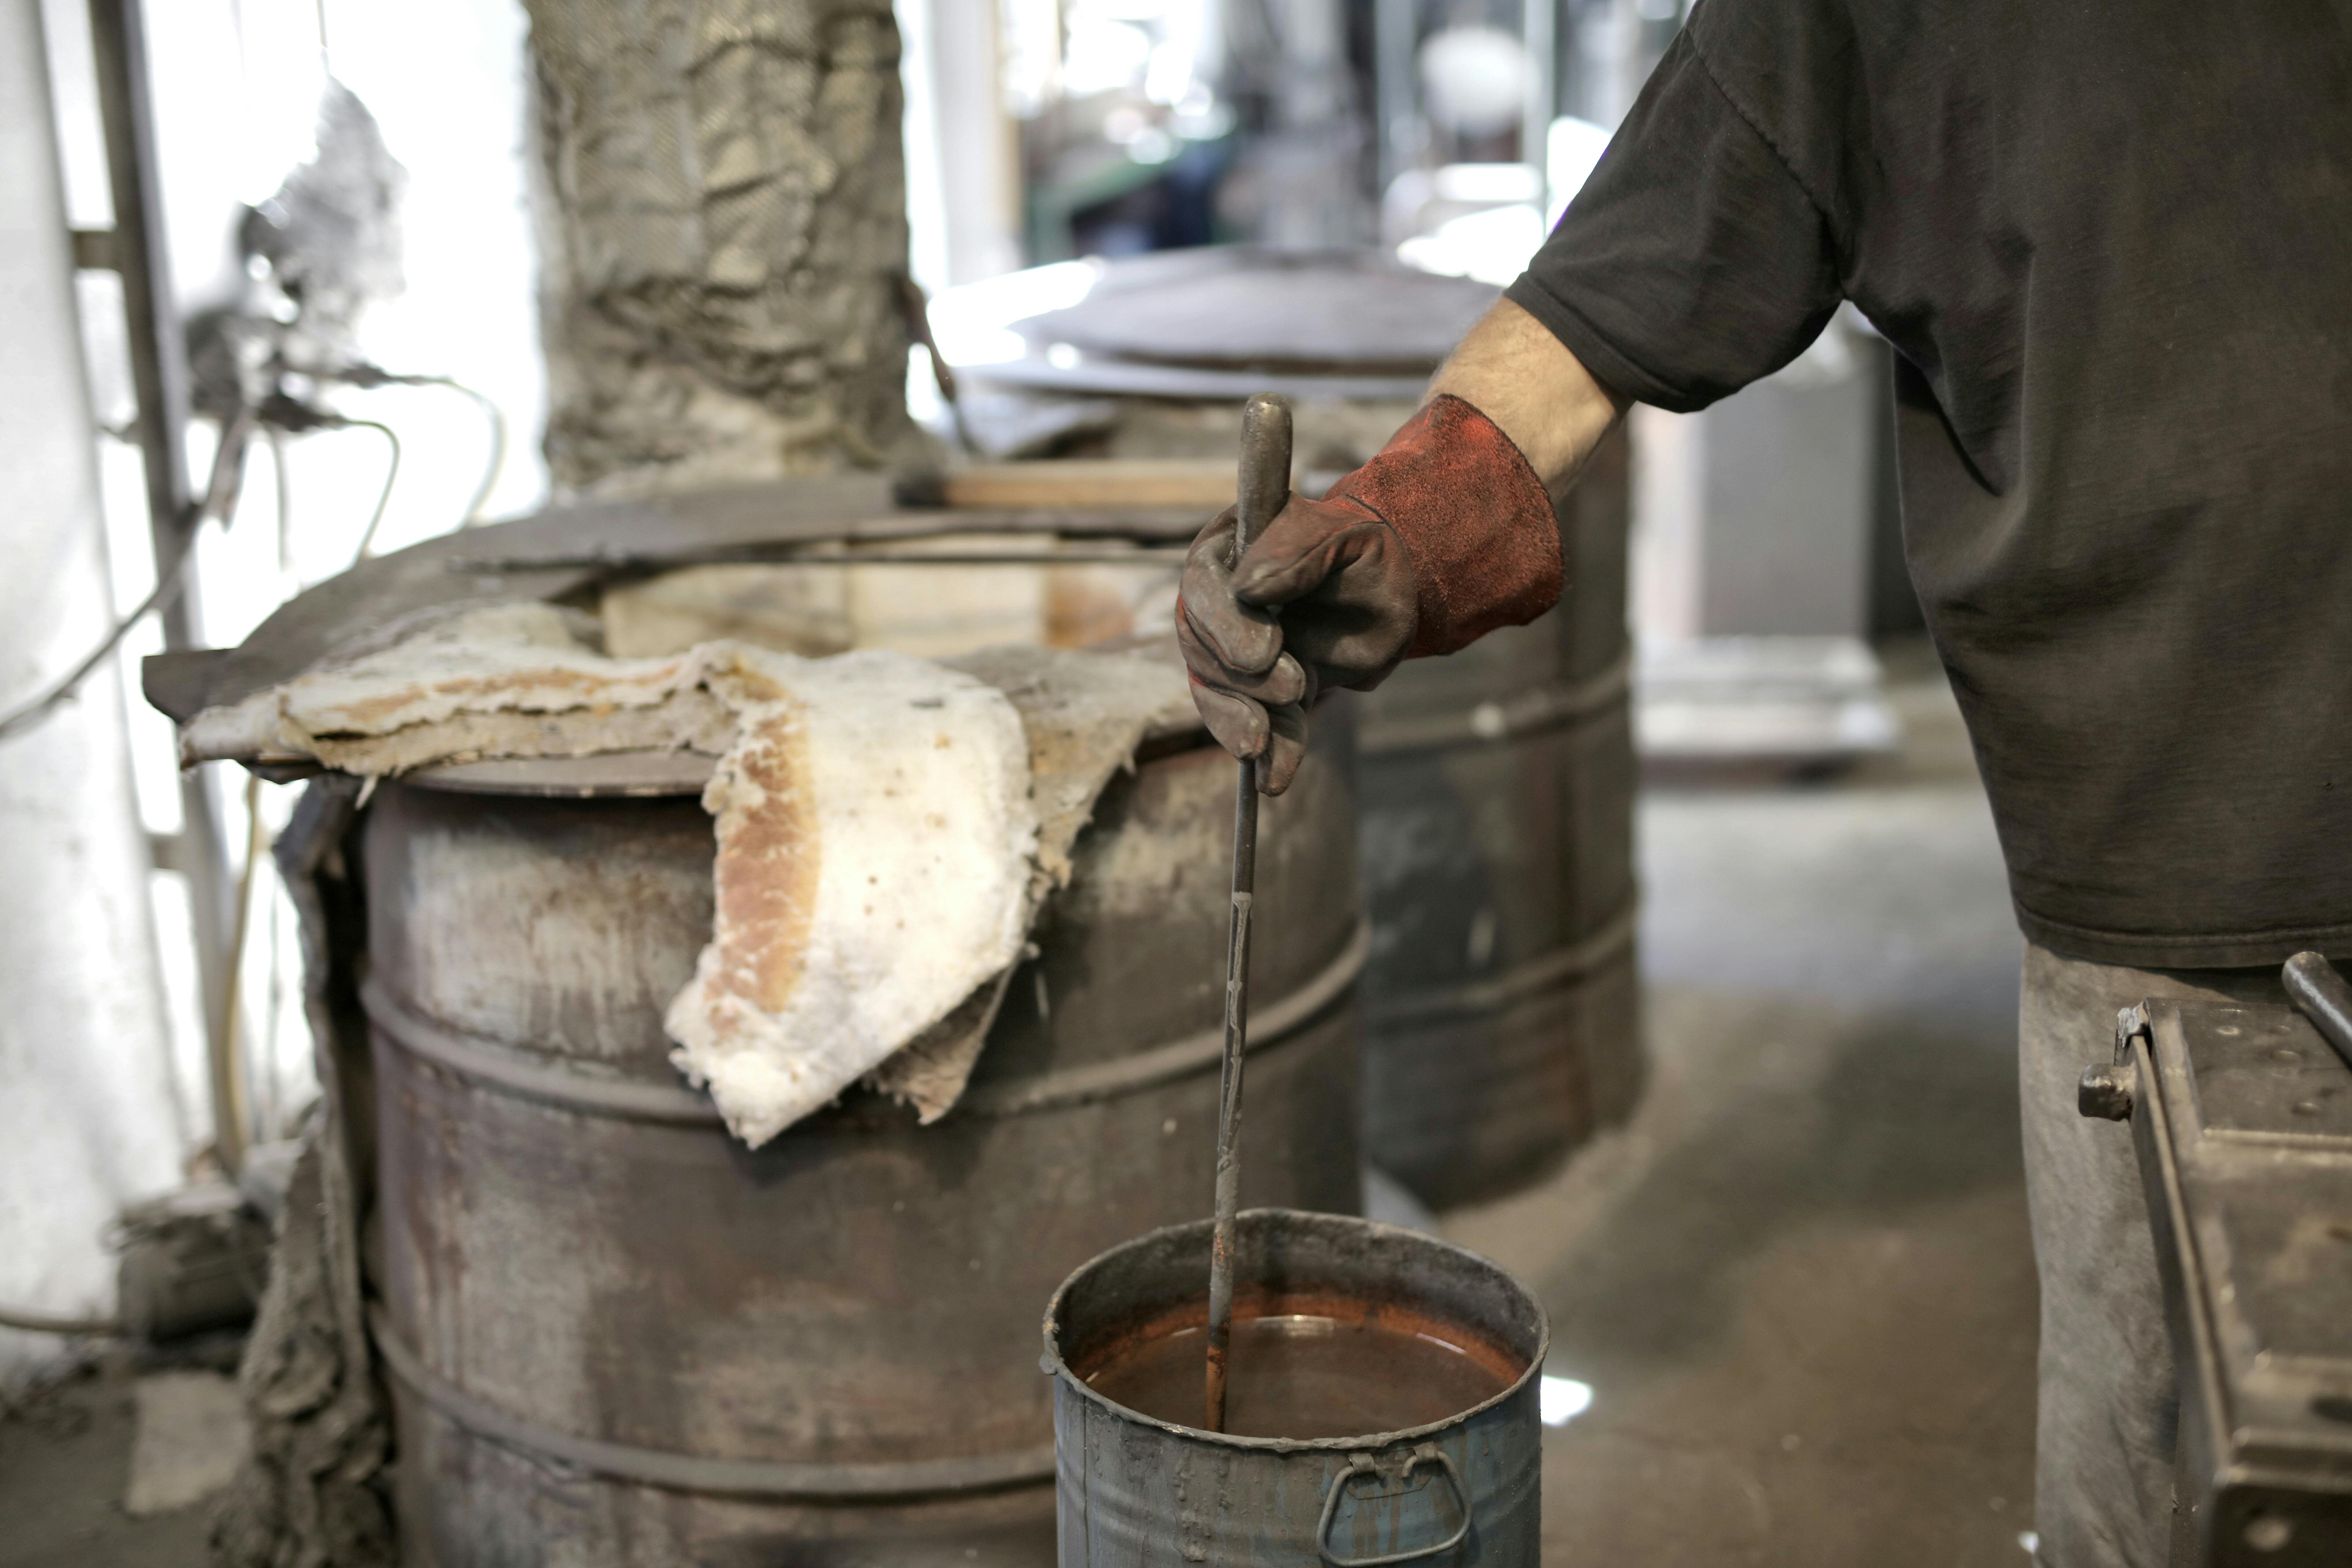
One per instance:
(1264, 488)
(228, 1064)
(1395, 25)
(2324, 998)
(1539, 35)
(158, 377)
(30, 1323)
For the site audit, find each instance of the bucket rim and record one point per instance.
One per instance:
(1053, 1364)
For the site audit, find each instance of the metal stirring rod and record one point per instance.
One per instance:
(1264, 488)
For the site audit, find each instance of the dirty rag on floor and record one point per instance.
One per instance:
(888, 827)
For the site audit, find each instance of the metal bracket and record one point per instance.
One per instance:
(2107, 1089)
(94, 250)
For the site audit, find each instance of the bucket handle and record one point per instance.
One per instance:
(1362, 1464)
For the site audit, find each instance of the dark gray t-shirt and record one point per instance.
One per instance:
(2112, 243)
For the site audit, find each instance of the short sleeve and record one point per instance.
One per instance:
(1694, 261)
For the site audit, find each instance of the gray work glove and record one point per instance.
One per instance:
(1325, 598)
(1445, 536)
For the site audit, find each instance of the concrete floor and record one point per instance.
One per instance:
(1799, 1282)
(65, 1473)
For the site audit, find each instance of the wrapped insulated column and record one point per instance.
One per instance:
(723, 235)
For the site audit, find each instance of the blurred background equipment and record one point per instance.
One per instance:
(1453, 134)
(1768, 555)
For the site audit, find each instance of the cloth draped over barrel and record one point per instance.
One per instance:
(888, 827)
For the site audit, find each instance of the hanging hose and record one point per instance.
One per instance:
(226, 1061)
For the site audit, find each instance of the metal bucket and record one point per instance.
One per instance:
(616, 1337)
(1140, 1493)
(1502, 1020)
(1502, 1007)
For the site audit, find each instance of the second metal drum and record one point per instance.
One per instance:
(1502, 1016)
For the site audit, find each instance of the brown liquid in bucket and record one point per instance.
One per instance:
(1307, 1369)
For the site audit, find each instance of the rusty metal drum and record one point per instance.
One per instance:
(1502, 1022)
(1139, 1492)
(616, 1337)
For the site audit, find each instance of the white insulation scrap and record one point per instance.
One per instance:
(439, 685)
(888, 826)
(875, 842)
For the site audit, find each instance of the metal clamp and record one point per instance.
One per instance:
(2107, 1092)
(1364, 1464)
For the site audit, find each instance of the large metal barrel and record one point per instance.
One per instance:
(1502, 1009)
(617, 1337)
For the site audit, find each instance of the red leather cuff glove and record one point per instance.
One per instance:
(1441, 538)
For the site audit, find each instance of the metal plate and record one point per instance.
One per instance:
(2253, 1222)
(1241, 308)
(2265, 1071)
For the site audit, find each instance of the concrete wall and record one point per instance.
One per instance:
(87, 1118)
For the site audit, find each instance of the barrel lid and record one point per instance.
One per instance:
(1226, 321)
(1251, 308)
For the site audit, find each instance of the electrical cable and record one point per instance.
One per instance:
(35, 708)
(220, 500)
(383, 499)
(497, 458)
(367, 376)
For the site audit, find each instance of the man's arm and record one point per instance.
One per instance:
(1512, 370)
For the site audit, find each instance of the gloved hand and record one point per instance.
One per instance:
(1441, 538)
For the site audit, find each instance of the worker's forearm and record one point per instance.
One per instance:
(1511, 369)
